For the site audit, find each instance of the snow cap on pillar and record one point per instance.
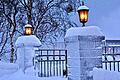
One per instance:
(29, 41)
(84, 31)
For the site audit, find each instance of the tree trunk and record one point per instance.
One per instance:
(29, 13)
(12, 48)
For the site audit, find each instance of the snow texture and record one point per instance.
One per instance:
(84, 51)
(7, 68)
(101, 74)
(31, 40)
(25, 50)
(114, 45)
(19, 75)
(84, 31)
(110, 38)
(10, 71)
(30, 71)
(28, 25)
(83, 7)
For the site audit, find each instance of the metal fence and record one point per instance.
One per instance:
(51, 62)
(111, 57)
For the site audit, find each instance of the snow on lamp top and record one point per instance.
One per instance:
(84, 31)
(83, 7)
(28, 25)
(29, 41)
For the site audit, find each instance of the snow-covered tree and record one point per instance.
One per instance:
(49, 19)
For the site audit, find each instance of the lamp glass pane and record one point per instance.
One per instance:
(28, 31)
(83, 16)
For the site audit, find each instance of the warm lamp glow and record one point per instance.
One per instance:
(28, 29)
(83, 14)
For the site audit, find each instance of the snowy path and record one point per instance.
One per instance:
(9, 71)
(19, 75)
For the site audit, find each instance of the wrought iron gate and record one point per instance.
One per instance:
(111, 58)
(51, 62)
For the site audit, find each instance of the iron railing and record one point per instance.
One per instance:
(51, 62)
(111, 58)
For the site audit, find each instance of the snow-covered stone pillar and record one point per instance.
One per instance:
(84, 51)
(25, 50)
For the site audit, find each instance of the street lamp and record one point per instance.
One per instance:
(28, 29)
(83, 13)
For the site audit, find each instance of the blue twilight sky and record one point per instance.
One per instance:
(106, 15)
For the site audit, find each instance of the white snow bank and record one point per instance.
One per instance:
(101, 74)
(30, 71)
(11, 71)
(7, 68)
(84, 31)
(31, 40)
(19, 75)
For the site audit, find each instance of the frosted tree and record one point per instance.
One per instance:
(49, 19)
(9, 11)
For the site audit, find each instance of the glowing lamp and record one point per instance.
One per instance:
(83, 14)
(28, 29)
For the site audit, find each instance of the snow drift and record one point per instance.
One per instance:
(8, 68)
(101, 74)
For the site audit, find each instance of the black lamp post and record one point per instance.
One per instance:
(28, 29)
(83, 13)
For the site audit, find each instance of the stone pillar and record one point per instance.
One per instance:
(84, 45)
(25, 51)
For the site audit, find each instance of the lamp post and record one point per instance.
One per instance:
(83, 13)
(28, 29)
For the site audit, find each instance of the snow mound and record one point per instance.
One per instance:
(7, 68)
(101, 74)
(84, 31)
(31, 40)
(8, 65)
(19, 75)
(30, 71)
(11, 71)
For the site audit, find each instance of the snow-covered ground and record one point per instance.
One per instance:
(9, 71)
(101, 74)
(19, 75)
